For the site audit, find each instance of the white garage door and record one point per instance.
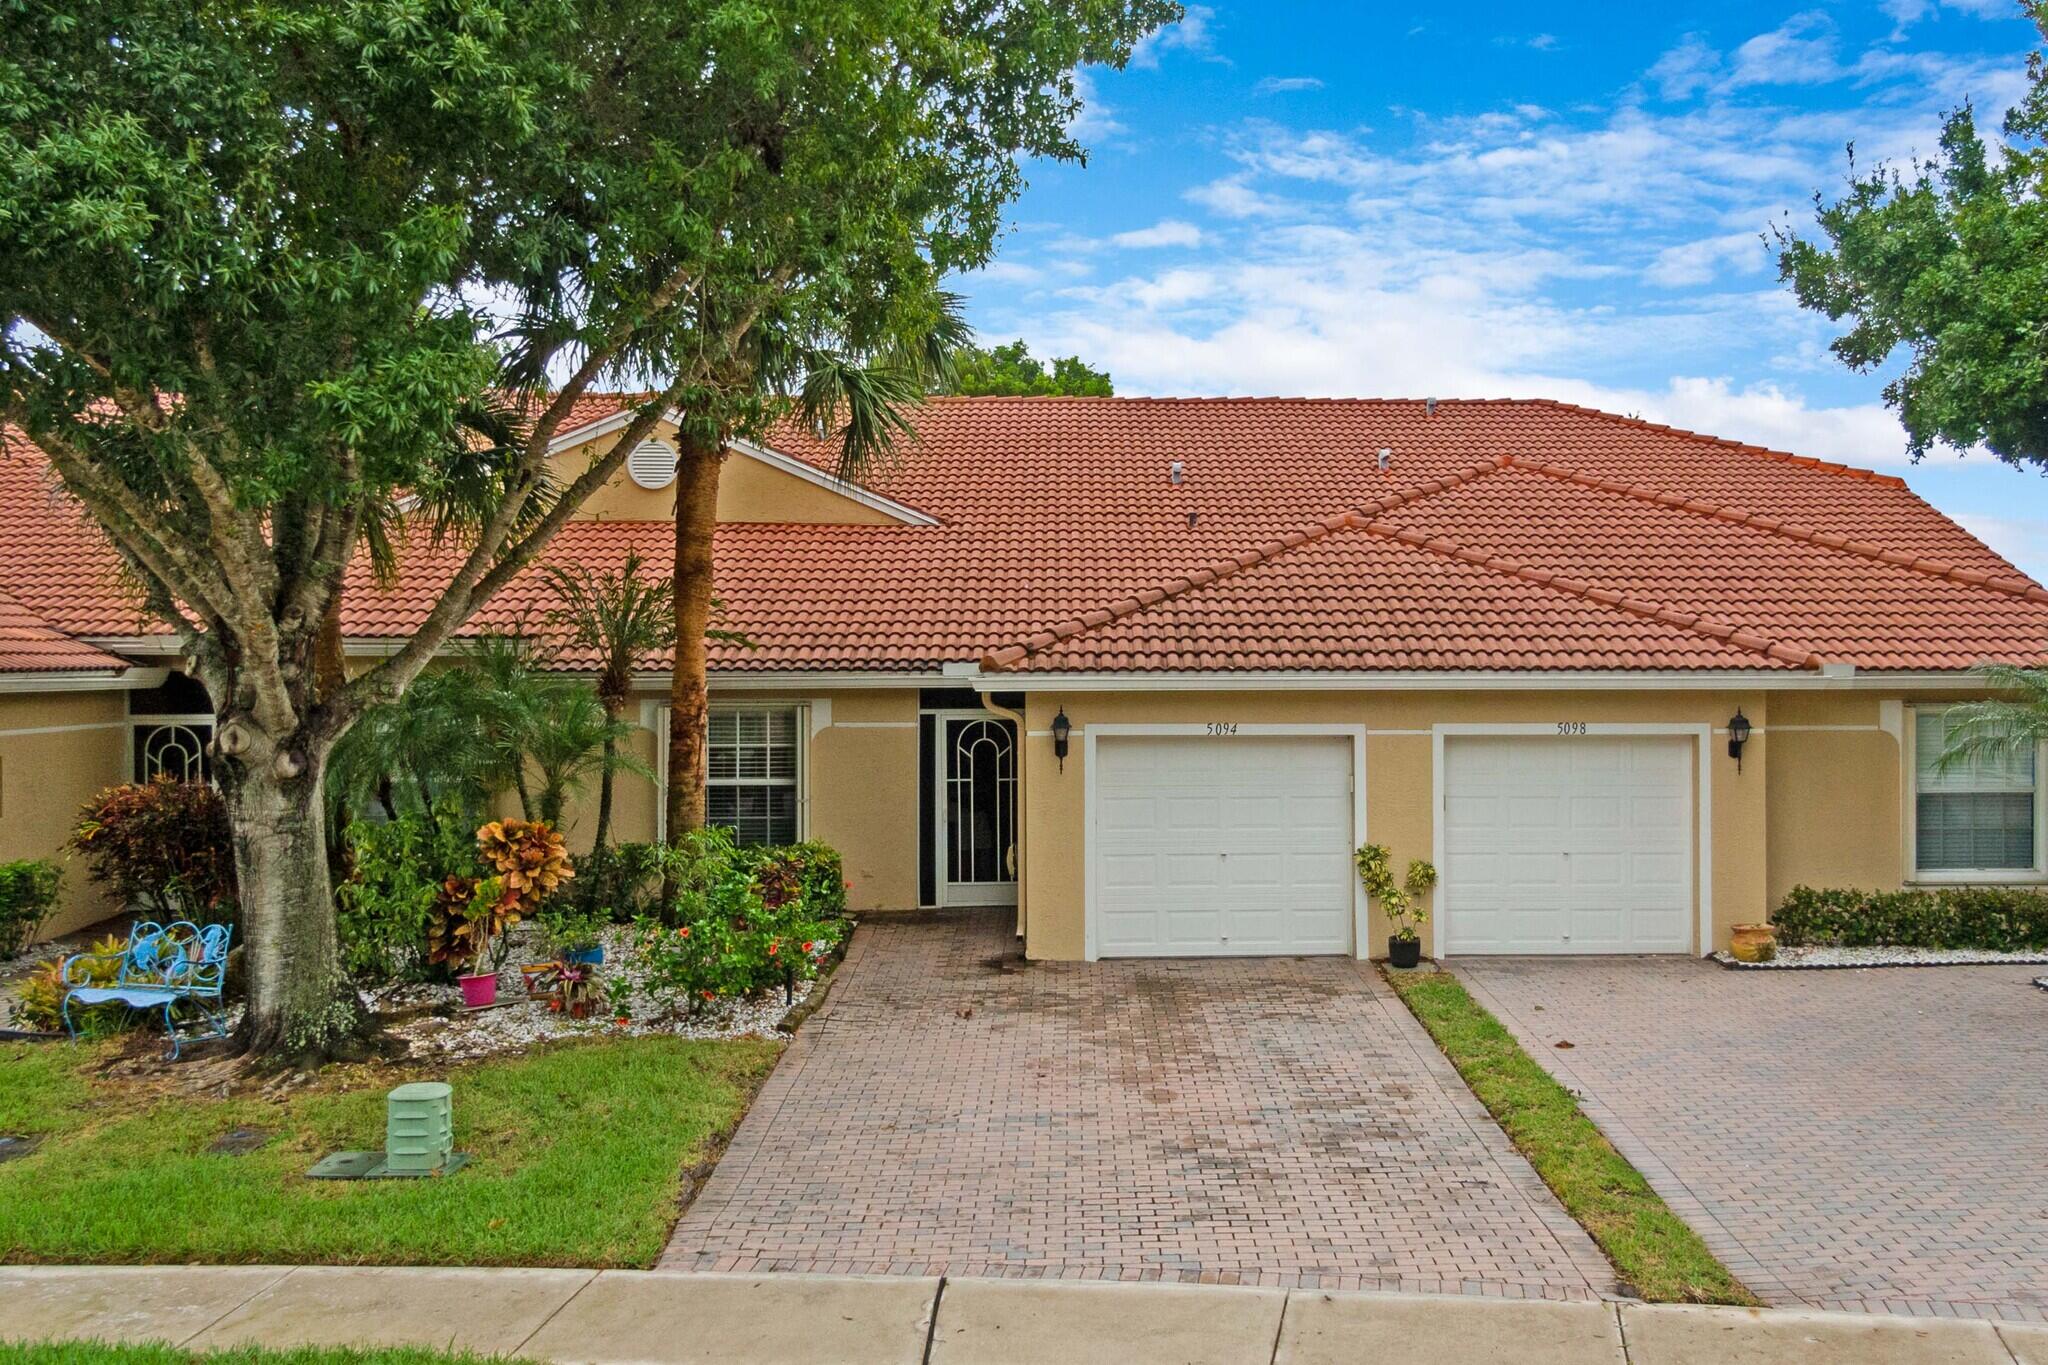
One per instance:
(1581, 845)
(1230, 846)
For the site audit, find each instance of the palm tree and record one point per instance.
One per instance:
(416, 751)
(574, 735)
(2001, 727)
(856, 391)
(618, 617)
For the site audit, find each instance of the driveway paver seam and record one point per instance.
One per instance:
(1572, 1238)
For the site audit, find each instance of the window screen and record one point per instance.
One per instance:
(1976, 815)
(751, 787)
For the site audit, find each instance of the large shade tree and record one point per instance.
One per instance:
(271, 269)
(1944, 261)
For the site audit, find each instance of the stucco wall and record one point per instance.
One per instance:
(1399, 782)
(748, 490)
(56, 750)
(861, 787)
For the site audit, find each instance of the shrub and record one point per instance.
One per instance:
(619, 882)
(162, 845)
(28, 892)
(742, 921)
(397, 872)
(1986, 918)
(810, 871)
(40, 1002)
(525, 861)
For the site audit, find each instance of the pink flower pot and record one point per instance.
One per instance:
(478, 991)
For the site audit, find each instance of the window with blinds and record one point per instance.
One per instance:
(1976, 815)
(751, 784)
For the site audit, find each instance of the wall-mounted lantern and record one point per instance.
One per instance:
(1738, 735)
(1061, 729)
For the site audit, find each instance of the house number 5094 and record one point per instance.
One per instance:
(1571, 727)
(1222, 727)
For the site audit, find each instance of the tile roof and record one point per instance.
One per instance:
(29, 644)
(1503, 535)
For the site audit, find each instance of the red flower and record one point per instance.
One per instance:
(711, 995)
(809, 947)
(683, 932)
(774, 948)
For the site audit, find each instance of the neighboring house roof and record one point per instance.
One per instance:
(1503, 535)
(29, 644)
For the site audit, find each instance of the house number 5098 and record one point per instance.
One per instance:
(1222, 727)
(1571, 727)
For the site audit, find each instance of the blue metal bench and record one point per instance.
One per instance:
(162, 967)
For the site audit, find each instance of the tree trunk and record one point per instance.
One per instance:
(301, 1005)
(689, 687)
(604, 789)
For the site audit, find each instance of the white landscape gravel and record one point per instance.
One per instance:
(1792, 959)
(437, 1025)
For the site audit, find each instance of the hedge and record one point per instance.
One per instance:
(1989, 918)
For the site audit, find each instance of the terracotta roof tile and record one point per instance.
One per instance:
(29, 644)
(1611, 543)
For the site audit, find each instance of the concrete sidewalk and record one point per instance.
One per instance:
(637, 1318)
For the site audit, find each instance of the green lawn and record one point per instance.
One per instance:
(94, 1353)
(579, 1153)
(97, 1353)
(1654, 1252)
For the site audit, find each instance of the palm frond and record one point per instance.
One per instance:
(861, 406)
(2002, 726)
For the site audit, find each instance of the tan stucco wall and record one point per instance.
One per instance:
(748, 490)
(1400, 797)
(1836, 789)
(48, 770)
(860, 785)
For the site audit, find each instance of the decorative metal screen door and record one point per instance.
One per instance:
(975, 786)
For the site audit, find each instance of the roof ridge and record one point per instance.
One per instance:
(1749, 447)
(1697, 622)
(1933, 568)
(1002, 657)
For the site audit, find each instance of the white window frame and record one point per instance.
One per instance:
(1954, 876)
(802, 711)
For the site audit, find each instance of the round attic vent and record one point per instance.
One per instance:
(652, 464)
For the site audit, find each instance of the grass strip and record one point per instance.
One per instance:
(102, 1353)
(579, 1151)
(1653, 1251)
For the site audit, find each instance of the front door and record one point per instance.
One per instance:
(974, 815)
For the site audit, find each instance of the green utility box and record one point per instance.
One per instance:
(419, 1127)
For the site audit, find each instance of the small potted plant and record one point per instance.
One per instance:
(572, 937)
(1404, 906)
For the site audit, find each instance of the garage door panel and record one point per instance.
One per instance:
(1237, 845)
(1573, 845)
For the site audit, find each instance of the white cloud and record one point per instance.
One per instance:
(1800, 51)
(1701, 262)
(1687, 69)
(1232, 197)
(2023, 541)
(1008, 272)
(1097, 122)
(1191, 35)
(1166, 232)
(1282, 85)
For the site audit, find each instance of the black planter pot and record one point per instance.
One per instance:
(1404, 952)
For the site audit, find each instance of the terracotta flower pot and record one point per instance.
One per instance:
(1753, 943)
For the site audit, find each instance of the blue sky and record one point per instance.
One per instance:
(1502, 200)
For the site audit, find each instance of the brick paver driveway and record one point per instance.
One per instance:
(1845, 1139)
(954, 1109)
